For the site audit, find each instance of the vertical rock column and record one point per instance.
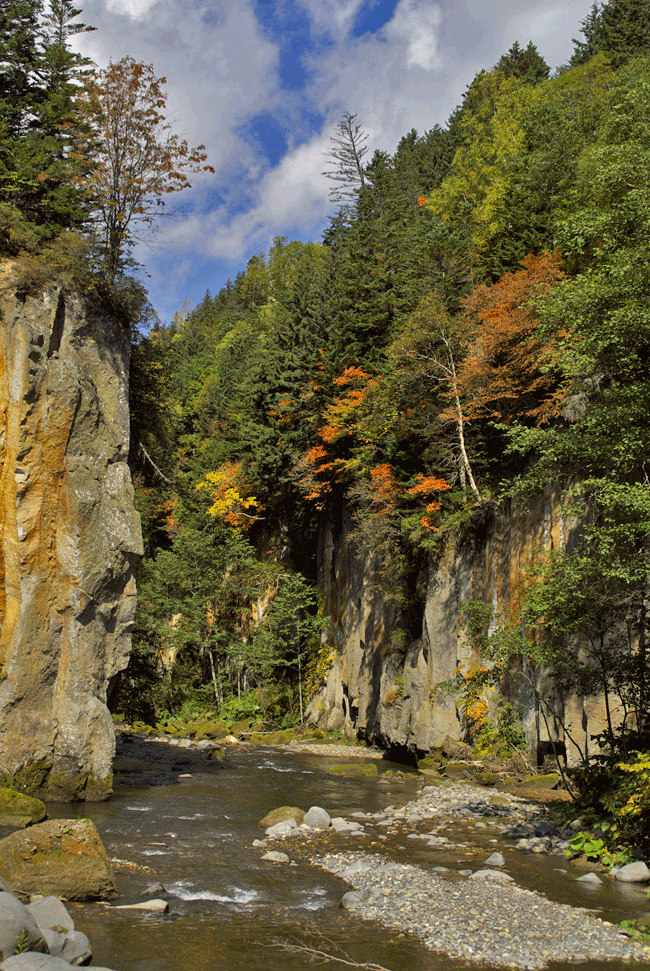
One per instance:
(69, 539)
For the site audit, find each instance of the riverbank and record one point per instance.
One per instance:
(458, 901)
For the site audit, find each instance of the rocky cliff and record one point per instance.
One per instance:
(400, 694)
(69, 539)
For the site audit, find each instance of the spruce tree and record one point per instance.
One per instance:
(590, 30)
(525, 63)
(625, 30)
(39, 126)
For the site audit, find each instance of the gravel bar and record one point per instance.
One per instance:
(486, 922)
(334, 751)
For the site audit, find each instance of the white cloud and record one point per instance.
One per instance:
(332, 17)
(222, 69)
(417, 25)
(134, 9)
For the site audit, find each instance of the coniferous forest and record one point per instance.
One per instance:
(473, 326)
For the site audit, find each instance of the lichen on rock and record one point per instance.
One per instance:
(69, 539)
(63, 857)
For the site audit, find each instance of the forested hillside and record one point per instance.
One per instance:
(473, 325)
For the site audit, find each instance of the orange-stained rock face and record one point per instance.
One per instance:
(69, 539)
(402, 695)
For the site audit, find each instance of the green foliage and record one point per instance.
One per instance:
(21, 944)
(361, 382)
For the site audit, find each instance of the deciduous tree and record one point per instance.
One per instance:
(138, 159)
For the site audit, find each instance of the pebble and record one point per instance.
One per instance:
(479, 921)
(485, 918)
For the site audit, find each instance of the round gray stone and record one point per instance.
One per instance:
(634, 873)
(317, 818)
(281, 829)
(16, 922)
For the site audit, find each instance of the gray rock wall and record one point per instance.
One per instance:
(400, 696)
(69, 539)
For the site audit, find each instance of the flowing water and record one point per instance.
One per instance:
(229, 909)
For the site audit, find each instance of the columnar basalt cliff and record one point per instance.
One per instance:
(400, 695)
(69, 539)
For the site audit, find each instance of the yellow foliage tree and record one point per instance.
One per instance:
(228, 494)
(475, 190)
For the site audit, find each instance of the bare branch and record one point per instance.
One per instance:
(318, 956)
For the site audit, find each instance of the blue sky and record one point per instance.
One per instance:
(263, 83)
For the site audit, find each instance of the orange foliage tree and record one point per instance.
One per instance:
(335, 454)
(427, 485)
(507, 372)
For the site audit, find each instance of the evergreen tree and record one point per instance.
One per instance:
(40, 127)
(525, 63)
(625, 29)
(590, 29)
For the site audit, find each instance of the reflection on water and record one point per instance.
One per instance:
(228, 908)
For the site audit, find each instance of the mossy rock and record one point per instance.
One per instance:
(487, 778)
(280, 815)
(241, 726)
(62, 857)
(549, 781)
(216, 754)
(355, 770)
(314, 733)
(429, 762)
(459, 773)
(140, 728)
(279, 738)
(211, 729)
(430, 773)
(19, 810)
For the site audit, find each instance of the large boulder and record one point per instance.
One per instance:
(18, 928)
(69, 538)
(38, 962)
(64, 857)
(19, 810)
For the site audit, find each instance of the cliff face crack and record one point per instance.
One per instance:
(57, 327)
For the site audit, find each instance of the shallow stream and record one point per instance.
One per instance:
(229, 909)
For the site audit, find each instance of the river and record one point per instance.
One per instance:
(189, 824)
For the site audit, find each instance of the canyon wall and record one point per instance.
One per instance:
(398, 692)
(69, 539)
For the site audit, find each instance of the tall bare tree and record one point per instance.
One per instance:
(346, 159)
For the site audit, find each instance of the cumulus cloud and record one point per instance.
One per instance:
(223, 69)
(333, 17)
(417, 25)
(133, 9)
